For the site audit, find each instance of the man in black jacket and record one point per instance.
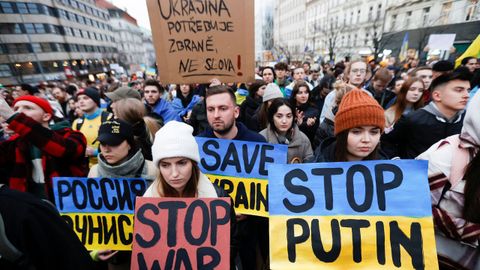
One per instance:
(34, 235)
(443, 117)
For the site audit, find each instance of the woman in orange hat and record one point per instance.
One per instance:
(359, 122)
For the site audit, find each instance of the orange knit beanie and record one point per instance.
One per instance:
(357, 109)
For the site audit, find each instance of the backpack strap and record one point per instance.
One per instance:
(79, 124)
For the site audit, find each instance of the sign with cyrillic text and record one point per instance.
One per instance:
(181, 233)
(196, 41)
(351, 215)
(240, 168)
(99, 210)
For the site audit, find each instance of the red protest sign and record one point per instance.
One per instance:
(181, 233)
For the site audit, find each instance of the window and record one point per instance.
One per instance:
(74, 3)
(10, 28)
(445, 13)
(29, 28)
(17, 48)
(76, 32)
(370, 13)
(62, 14)
(40, 28)
(3, 49)
(46, 47)
(379, 11)
(6, 7)
(33, 8)
(426, 13)
(80, 19)
(5, 70)
(366, 39)
(358, 16)
(471, 10)
(394, 21)
(36, 48)
(407, 19)
(22, 8)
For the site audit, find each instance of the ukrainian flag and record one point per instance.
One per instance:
(473, 50)
(403, 50)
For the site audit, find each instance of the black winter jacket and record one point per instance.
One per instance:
(415, 133)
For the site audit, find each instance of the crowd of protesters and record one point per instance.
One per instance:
(349, 111)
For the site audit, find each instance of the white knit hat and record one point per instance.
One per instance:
(175, 139)
(271, 92)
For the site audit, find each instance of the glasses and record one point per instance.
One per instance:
(426, 76)
(361, 71)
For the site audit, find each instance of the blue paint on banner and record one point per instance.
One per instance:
(239, 158)
(373, 188)
(97, 195)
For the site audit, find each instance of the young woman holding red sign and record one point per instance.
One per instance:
(175, 153)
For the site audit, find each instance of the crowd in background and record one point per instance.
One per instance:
(352, 110)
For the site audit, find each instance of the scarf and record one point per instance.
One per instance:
(127, 169)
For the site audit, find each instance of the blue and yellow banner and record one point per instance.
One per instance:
(241, 169)
(351, 215)
(99, 210)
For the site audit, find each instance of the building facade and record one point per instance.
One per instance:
(289, 29)
(128, 37)
(264, 16)
(54, 40)
(340, 28)
(424, 17)
(335, 29)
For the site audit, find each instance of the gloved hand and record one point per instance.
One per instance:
(5, 110)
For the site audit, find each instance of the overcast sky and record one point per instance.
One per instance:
(137, 9)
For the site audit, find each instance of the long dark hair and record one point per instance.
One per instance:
(341, 150)
(272, 110)
(185, 100)
(472, 191)
(190, 190)
(295, 91)
(401, 103)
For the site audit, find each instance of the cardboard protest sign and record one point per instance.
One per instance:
(240, 168)
(196, 41)
(181, 233)
(99, 210)
(347, 215)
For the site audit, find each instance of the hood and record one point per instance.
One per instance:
(471, 124)
(433, 109)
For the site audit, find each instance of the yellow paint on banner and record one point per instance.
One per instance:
(249, 195)
(375, 252)
(102, 231)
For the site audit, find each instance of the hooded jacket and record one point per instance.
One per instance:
(457, 238)
(416, 132)
(299, 148)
